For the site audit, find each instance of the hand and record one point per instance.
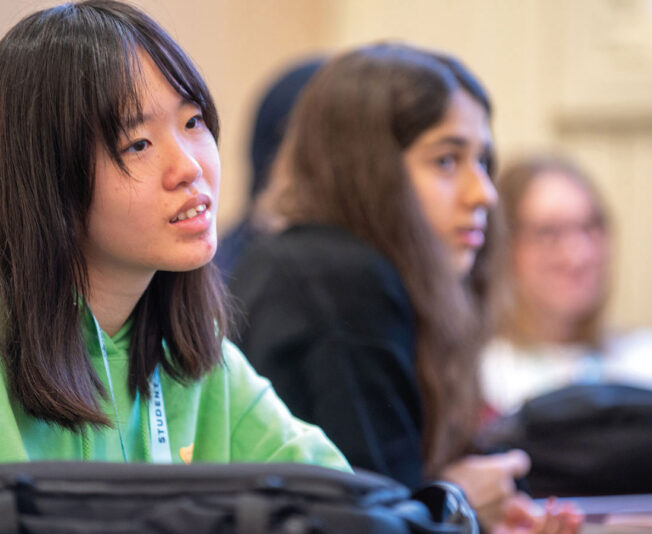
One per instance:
(488, 478)
(488, 482)
(522, 516)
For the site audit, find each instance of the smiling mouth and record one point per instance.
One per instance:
(190, 213)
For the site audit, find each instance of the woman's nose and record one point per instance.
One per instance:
(480, 190)
(181, 165)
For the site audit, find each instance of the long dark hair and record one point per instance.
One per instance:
(342, 163)
(69, 77)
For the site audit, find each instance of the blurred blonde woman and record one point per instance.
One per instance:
(553, 333)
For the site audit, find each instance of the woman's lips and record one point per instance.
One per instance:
(198, 223)
(194, 215)
(190, 213)
(471, 237)
(198, 203)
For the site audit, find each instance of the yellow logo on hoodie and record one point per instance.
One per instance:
(186, 453)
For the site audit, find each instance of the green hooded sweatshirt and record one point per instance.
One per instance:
(230, 415)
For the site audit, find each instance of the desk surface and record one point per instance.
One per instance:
(614, 514)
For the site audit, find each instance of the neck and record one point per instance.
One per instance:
(547, 328)
(113, 297)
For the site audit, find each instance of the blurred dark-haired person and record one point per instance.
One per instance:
(113, 319)
(360, 304)
(270, 123)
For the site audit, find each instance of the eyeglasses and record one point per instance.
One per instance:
(549, 235)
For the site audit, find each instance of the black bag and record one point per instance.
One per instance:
(93, 498)
(582, 439)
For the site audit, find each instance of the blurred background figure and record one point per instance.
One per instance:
(268, 129)
(553, 333)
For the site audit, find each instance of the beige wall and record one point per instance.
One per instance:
(571, 74)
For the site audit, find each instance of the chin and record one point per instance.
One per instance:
(199, 263)
(192, 261)
(464, 262)
(185, 268)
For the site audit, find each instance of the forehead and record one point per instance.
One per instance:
(555, 196)
(152, 86)
(465, 118)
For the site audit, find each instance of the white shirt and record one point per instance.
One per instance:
(510, 375)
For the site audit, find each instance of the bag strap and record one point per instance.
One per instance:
(448, 506)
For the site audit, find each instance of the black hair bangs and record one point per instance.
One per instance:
(72, 80)
(113, 71)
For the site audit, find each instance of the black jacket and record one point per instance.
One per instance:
(326, 318)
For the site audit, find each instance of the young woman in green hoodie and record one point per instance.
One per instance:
(112, 319)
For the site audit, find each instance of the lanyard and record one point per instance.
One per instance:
(158, 424)
(158, 427)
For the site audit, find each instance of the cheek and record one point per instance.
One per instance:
(433, 200)
(212, 177)
(602, 255)
(597, 273)
(101, 232)
(442, 220)
(527, 268)
(212, 164)
(128, 212)
(442, 226)
(215, 186)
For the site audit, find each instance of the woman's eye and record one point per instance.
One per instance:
(484, 162)
(194, 122)
(138, 146)
(447, 162)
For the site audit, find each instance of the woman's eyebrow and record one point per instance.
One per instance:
(448, 140)
(457, 142)
(452, 140)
